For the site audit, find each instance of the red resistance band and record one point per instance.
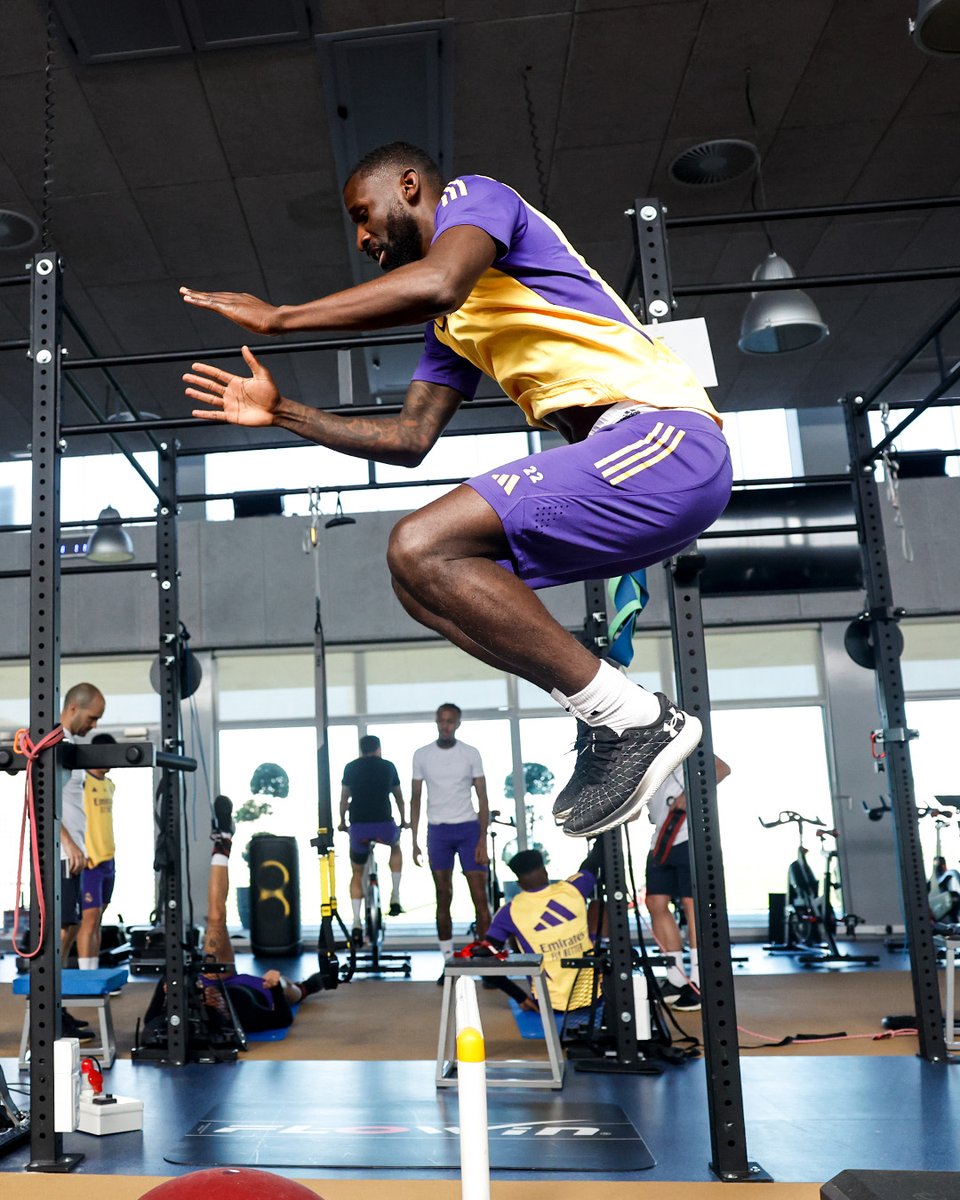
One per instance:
(668, 835)
(23, 745)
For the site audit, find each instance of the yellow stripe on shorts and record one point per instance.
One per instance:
(633, 445)
(666, 450)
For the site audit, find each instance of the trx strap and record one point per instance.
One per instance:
(628, 595)
(668, 834)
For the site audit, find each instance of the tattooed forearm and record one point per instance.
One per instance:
(400, 439)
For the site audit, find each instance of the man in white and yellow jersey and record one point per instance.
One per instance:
(99, 873)
(646, 470)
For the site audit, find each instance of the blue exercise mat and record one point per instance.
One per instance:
(531, 1026)
(273, 1035)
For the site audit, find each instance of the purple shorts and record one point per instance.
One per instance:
(445, 842)
(362, 833)
(634, 494)
(96, 884)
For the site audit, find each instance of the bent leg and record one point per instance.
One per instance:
(445, 557)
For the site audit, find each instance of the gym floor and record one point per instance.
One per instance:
(809, 1116)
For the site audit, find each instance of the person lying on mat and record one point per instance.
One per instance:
(260, 1002)
(551, 919)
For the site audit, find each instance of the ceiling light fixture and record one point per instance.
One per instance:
(110, 542)
(778, 321)
(937, 27)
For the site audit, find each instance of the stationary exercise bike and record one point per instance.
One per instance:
(810, 922)
(372, 960)
(944, 899)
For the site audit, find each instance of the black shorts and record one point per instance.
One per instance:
(671, 878)
(69, 896)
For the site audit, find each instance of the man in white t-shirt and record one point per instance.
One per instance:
(668, 878)
(452, 771)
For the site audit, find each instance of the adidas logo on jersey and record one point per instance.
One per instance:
(507, 482)
(453, 189)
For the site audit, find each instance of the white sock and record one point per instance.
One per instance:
(611, 699)
(562, 700)
(219, 860)
(88, 964)
(446, 947)
(355, 904)
(694, 967)
(675, 973)
(395, 894)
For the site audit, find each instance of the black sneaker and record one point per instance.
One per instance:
(222, 824)
(669, 992)
(356, 937)
(687, 1001)
(626, 769)
(565, 801)
(71, 1027)
(311, 985)
(68, 1016)
(395, 910)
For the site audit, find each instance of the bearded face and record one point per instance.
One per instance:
(402, 242)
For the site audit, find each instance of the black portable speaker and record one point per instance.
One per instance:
(274, 895)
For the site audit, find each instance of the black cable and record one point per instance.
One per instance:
(757, 182)
(49, 99)
(534, 138)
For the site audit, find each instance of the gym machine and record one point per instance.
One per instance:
(809, 918)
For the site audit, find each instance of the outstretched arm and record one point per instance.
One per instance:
(402, 439)
(410, 295)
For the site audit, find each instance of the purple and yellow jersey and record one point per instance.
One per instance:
(553, 922)
(542, 323)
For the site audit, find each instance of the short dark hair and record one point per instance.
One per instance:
(368, 743)
(451, 707)
(526, 862)
(399, 155)
(103, 739)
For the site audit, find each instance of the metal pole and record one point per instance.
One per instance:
(892, 705)
(368, 342)
(870, 395)
(816, 210)
(46, 1145)
(174, 879)
(934, 394)
(619, 1000)
(728, 1137)
(857, 279)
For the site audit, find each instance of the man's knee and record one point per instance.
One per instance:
(657, 905)
(411, 552)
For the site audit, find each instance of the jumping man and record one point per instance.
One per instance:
(646, 469)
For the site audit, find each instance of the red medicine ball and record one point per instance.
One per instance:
(230, 1183)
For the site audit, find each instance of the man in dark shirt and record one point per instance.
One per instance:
(368, 783)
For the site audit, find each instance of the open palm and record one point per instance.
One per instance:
(235, 399)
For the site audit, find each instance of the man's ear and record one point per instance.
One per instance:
(410, 184)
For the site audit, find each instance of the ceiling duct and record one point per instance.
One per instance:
(712, 162)
(371, 100)
(101, 31)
